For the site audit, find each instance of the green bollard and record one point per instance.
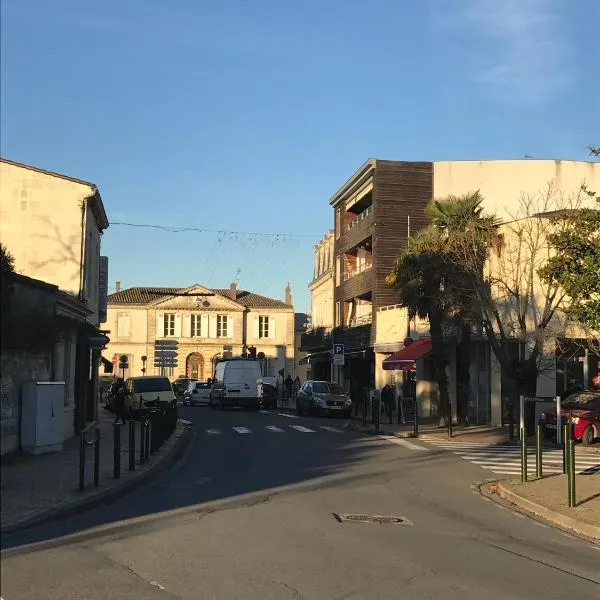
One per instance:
(523, 456)
(538, 451)
(572, 473)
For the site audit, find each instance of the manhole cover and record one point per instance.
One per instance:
(379, 519)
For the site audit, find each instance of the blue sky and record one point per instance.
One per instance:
(247, 116)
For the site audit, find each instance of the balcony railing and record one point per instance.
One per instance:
(348, 274)
(363, 215)
(364, 320)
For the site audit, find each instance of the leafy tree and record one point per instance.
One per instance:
(575, 265)
(7, 267)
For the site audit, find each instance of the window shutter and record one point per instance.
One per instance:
(256, 328)
(272, 328)
(230, 322)
(187, 326)
(177, 326)
(204, 326)
(212, 326)
(160, 326)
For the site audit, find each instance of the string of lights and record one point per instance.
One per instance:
(223, 232)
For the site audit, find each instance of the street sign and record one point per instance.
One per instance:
(123, 361)
(165, 354)
(165, 365)
(172, 344)
(338, 355)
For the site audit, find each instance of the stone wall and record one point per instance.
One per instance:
(17, 368)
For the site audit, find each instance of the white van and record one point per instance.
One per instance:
(235, 384)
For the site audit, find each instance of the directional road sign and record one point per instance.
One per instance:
(172, 344)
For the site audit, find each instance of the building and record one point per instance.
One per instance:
(207, 324)
(374, 213)
(52, 225)
(316, 341)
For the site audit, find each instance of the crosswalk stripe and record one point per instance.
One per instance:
(264, 412)
(241, 429)
(302, 429)
(402, 442)
(275, 429)
(328, 428)
(288, 415)
(213, 432)
(506, 460)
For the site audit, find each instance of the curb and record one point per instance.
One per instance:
(353, 426)
(178, 450)
(562, 521)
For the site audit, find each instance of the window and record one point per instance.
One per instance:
(196, 328)
(221, 326)
(263, 327)
(169, 325)
(123, 325)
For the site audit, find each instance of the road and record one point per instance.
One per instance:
(249, 513)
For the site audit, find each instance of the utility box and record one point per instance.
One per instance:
(42, 417)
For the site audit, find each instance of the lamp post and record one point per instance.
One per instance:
(144, 359)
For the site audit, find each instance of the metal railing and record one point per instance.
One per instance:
(349, 274)
(361, 217)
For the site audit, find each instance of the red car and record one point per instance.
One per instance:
(584, 408)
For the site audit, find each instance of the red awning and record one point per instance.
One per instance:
(405, 358)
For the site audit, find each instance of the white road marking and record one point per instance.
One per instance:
(275, 429)
(329, 428)
(402, 442)
(241, 429)
(264, 412)
(213, 432)
(288, 415)
(302, 429)
(183, 422)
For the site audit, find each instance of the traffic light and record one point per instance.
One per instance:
(251, 352)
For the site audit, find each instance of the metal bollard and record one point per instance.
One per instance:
(565, 437)
(147, 440)
(511, 422)
(131, 445)
(523, 455)
(538, 451)
(117, 451)
(376, 413)
(97, 457)
(571, 478)
(142, 440)
(81, 460)
(416, 421)
(364, 412)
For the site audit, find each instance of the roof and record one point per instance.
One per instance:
(147, 295)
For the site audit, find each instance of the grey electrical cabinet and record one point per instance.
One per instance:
(42, 417)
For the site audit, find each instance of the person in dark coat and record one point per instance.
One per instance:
(387, 399)
(118, 391)
(289, 387)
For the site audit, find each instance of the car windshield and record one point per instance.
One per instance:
(152, 384)
(324, 387)
(582, 402)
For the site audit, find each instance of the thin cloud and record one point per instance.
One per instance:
(523, 50)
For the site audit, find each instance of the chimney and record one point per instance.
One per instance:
(233, 290)
(118, 287)
(288, 295)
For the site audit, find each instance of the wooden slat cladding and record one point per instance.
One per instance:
(356, 286)
(401, 189)
(353, 338)
(350, 238)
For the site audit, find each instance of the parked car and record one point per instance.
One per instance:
(325, 397)
(235, 384)
(197, 394)
(267, 391)
(144, 393)
(181, 384)
(584, 409)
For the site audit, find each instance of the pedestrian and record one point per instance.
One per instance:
(289, 387)
(387, 398)
(297, 386)
(119, 391)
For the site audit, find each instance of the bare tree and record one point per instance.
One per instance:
(521, 315)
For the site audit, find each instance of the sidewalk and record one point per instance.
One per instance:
(547, 498)
(37, 488)
(476, 433)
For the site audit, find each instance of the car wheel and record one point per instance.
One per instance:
(587, 437)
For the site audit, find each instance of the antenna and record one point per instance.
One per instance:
(237, 275)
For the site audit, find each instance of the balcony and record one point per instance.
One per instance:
(354, 338)
(362, 320)
(316, 339)
(361, 217)
(354, 272)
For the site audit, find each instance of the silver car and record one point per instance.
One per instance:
(197, 394)
(323, 397)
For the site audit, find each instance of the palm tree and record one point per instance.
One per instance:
(435, 282)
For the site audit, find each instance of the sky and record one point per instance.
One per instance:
(238, 119)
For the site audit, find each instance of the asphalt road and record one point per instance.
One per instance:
(249, 513)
